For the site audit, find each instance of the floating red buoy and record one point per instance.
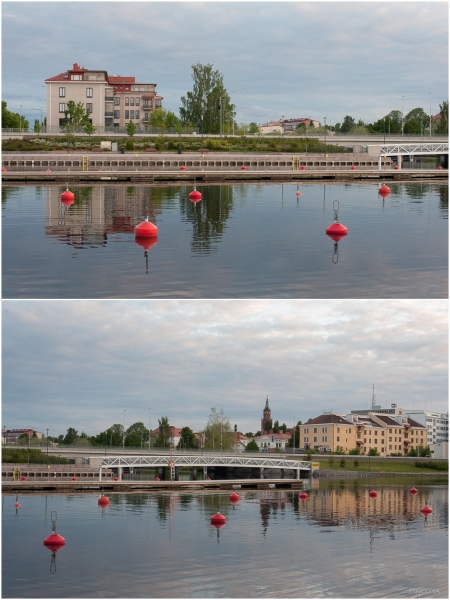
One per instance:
(17, 505)
(4, 170)
(218, 520)
(195, 196)
(243, 168)
(67, 197)
(74, 479)
(426, 510)
(396, 168)
(23, 478)
(353, 168)
(54, 541)
(336, 230)
(182, 168)
(103, 501)
(49, 170)
(208, 479)
(157, 479)
(439, 168)
(116, 479)
(373, 493)
(303, 496)
(384, 191)
(297, 193)
(145, 229)
(234, 498)
(302, 168)
(413, 491)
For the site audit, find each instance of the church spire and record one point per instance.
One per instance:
(267, 404)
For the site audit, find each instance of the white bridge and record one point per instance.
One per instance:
(411, 150)
(205, 461)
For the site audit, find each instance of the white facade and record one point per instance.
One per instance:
(436, 423)
(439, 450)
(272, 441)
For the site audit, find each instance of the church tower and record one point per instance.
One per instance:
(266, 415)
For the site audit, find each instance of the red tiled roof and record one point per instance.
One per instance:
(416, 423)
(330, 418)
(388, 420)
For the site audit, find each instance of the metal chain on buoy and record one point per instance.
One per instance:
(53, 563)
(54, 520)
(336, 220)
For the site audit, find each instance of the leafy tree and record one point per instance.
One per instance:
(412, 452)
(283, 427)
(200, 106)
(187, 439)
(130, 128)
(342, 462)
(75, 115)
(12, 120)
(339, 450)
(355, 451)
(89, 128)
(268, 425)
(218, 432)
(416, 121)
(253, 127)
(442, 127)
(163, 437)
(347, 125)
(136, 435)
(258, 433)
(290, 443)
(424, 451)
(252, 447)
(37, 126)
(71, 436)
(373, 452)
(276, 427)
(23, 439)
(249, 434)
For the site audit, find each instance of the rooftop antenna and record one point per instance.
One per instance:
(373, 396)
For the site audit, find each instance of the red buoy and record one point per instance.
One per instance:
(336, 230)
(54, 541)
(373, 493)
(49, 170)
(303, 496)
(243, 168)
(4, 170)
(182, 168)
(297, 193)
(218, 520)
(413, 491)
(208, 479)
(353, 168)
(439, 168)
(302, 168)
(384, 191)
(195, 196)
(426, 510)
(103, 501)
(116, 479)
(234, 498)
(67, 197)
(17, 505)
(157, 479)
(74, 479)
(23, 478)
(145, 229)
(396, 168)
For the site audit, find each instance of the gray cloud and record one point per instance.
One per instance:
(81, 363)
(292, 58)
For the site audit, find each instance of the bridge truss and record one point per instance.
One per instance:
(205, 460)
(407, 149)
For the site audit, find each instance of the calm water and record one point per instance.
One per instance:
(240, 241)
(339, 543)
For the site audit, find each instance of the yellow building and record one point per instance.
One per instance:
(327, 432)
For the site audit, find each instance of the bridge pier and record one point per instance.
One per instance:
(399, 161)
(261, 472)
(119, 473)
(205, 472)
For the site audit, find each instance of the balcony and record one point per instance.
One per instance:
(109, 98)
(109, 114)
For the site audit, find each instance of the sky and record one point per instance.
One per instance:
(82, 363)
(291, 59)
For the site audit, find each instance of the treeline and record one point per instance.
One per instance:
(32, 456)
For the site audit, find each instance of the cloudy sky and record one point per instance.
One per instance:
(81, 363)
(297, 59)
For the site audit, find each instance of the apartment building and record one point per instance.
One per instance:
(10, 436)
(436, 424)
(112, 101)
(327, 432)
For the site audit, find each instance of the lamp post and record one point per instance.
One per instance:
(41, 117)
(282, 134)
(232, 114)
(47, 450)
(150, 430)
(20, 118)
(325, 126)
(245, 128)
(293, 445)
(430, 113)
(402, 115)
(123, 435)
(384, 130)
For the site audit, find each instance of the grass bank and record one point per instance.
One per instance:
(376, 466)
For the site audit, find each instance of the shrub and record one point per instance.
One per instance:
(356, 463)
(429, 464)
(331, 461)
(129, 145)
(342, 463)
(35, 456)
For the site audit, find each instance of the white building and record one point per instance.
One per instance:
(439, 450)
(273, 442)
(436, 423)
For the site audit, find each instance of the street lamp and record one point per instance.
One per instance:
(123, 434)
(293, 445)
(402, 115)
(150, 430)
(430, 113)
(282, 134)
(42, 123)
(20, 118)
(47, 450)
(384, 130)
(325, 126)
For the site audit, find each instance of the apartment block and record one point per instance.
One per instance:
(327, 432)
(112, 101)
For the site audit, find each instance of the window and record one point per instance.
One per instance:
(305, 439)
(145, 116)
(390, 430)
(390, 439)
(62, 106)
(89, 106)
(131, 114)
(137, 101)
(127, 101)
(324, 438)
(390, 447)
(117, 114)
(339, 430)
(127, 114)
(315, 439)
(77, 77)
(382, 433)
(116, 101)
(131, 101)
(324, 429)
(62, 92)
(89, 92)
(306, 430)
(137, 114)
(315, 429)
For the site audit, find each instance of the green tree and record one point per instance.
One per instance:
(412, 452)
(187, 439)
(130, 128)
(218, 432)
(347, 124)
(163, 437)
(136, 435)
(373, 452)
(249, 434)
(12, 120)
(200, 106)
(37, 126)
(297, 437)
(171, 119)
(253, 128)
(89, 128)
(276, 427)
(416, 121)
(71, 436)
(252, 447)
(268, 425)
(355, 451)
(442, 127)
(75, 115)
(424, 451)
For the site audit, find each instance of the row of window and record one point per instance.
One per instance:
(89, 107)
(89, 92)
(324, 439)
